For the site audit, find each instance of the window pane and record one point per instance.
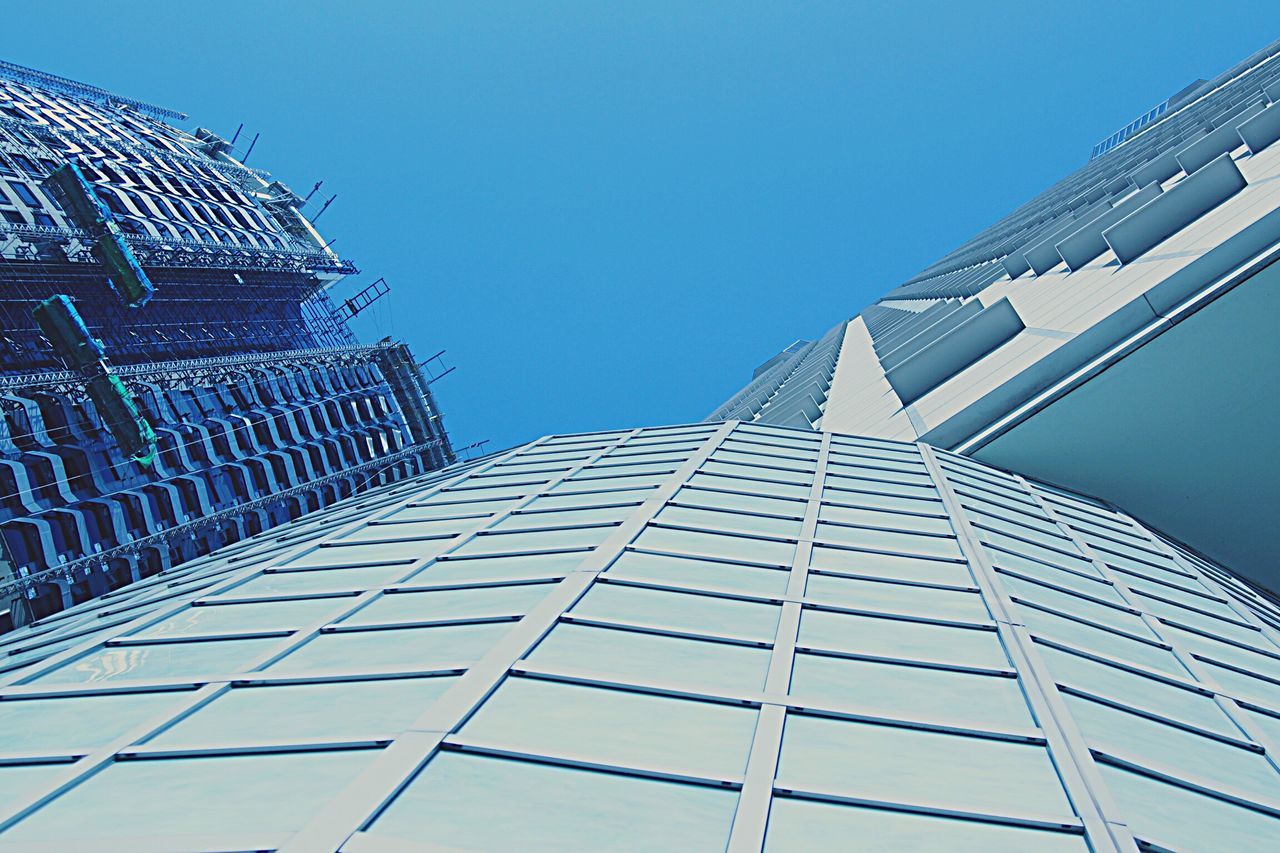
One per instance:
(706, 574)
(77, 722)
(485, 569)
(711, 519)
(1098, 641)
(680, 611)
(236, 798)
(562, 518)
(451, 604)
(887, 540)
(1074, 605)
(912, 692)
(716, 545)
(15, 781)
(399, 649)
(803, 825)
(1178, 751)
(162, 660)
(336, 711)
(616, 727)
(897, 598)
(1137, 691)
(1184, 820)
(245, 618)
(651, 659)
(535, 540)
(745, 503)
(469, 802)
(913, 766)
(1265, 693)
(891, 566)
(315, 582)
(879, 518)
(900, 638)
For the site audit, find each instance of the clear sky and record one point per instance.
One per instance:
(610, 212)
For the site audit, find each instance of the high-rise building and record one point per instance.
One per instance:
(835, 615)
(191, 382)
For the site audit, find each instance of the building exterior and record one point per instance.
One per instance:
(822, 619)
(1110, 336)
(198, 284)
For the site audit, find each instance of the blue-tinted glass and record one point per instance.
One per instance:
(396, 649)
(630, 656)
(486, 569)
(340, 710)
(616, 727)
(469, 802)
(223, 802)
(680, 611)
(474, 603)
(892, 566)
(897, 598)
(161, 660)
(245, 618)
(78, 722)
(801, 826)
(703, 574)
(902, 765)
(895, 692)
(717, 545)
(900, 638)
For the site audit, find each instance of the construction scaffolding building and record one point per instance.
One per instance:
(198, 383)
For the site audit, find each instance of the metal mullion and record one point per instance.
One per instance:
(1104, 827)
(183, 600)
(1225, 700)
(344, 815)
(751, 817)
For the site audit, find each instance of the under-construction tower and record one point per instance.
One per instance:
(174, 371)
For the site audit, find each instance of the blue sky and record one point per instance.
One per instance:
(608, 213)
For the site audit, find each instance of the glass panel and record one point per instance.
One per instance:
(803, 826)
(446, 510)
(897, 598)
(395, 649)
(619, 496)
(899, 638)
(245, 618)
(680, 611)
(1263, 692)
(879, 518)
(709, 519)
(616, 727)
(885, 540)
(912, 692)
(450, 604)
(315, 582)
(1218, 627)
(17, 780)
(162, 660)
(733, 469)
(595, 484)
(413, 530)
(1178, 751)
(1098, 641)
(873, 565)
(77, 723)
(1179, 819)
(706, 574)
(1073, 605)
(861, 484)
(1246, 659)
(341, 710)
(745, 503)
(235, 798)
(630, 656)
(740, 483)
(562, 518)
(485, 569)
(474, 803)
(535, 540)
(716, 545)
(893, 503)
(913, 766)
(1137, 691)
(340, 556)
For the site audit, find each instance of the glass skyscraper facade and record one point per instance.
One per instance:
(825, 618)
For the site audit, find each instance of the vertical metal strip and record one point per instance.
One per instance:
(395, 767)
(752, 815)
(1104, 828)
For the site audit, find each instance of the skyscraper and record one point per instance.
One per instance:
(175, 374)
(823, 618)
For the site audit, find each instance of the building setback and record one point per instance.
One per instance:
(198, 385)
(807, 623)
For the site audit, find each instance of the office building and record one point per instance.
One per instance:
(946, 577)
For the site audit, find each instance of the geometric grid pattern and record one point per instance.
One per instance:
(708, 637)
